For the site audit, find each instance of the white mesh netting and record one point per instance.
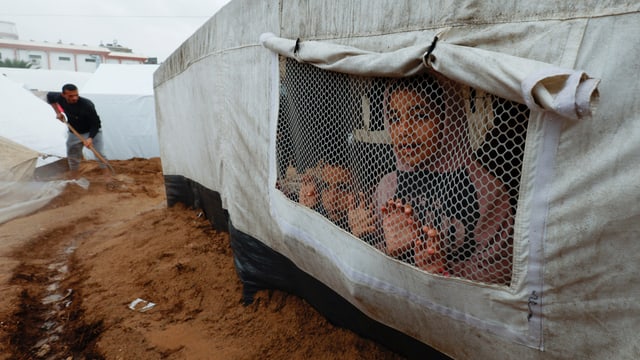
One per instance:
(425, 170)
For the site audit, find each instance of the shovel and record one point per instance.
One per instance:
(97, 154)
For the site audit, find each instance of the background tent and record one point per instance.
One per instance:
(573, 292)
(41, 81)
(17, 162)
(30, 136)
(30, 121)
(123, 96)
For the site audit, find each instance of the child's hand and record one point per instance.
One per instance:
(400, 230)
(360, 216)
(428, 254)
(308, 195)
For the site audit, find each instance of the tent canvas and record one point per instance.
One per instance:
(123, 96)
(30, 121)
(45, 80)
(30, 136)
(17, 162)
(572, 291)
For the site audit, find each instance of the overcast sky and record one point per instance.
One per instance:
(153, 28)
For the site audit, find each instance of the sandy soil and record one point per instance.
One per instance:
(82, 260)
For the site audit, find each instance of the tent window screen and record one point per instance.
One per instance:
(423, 169)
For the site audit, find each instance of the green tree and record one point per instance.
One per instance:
(15, 63)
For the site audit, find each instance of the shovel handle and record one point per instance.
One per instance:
(76, 133)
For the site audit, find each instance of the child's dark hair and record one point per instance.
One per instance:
(425, 85)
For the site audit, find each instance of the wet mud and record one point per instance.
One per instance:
(75, 270)
(49, 321)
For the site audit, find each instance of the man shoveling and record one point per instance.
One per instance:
(84, 126)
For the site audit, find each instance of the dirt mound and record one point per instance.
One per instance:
(90, 255)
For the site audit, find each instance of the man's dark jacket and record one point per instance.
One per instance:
(81, 115)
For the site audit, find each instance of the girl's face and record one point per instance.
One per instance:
(336, 185)
(413, 127)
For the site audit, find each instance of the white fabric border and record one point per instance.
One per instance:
(280, 205)
(544, 88)
(541, 86)
(538, 212)
(355, 276)
(347, 59)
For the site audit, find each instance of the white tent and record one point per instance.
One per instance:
(30, 136)
(123, 96)
(224, 95)
(30, 121)
(45, 80)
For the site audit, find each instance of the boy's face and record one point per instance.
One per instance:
(336, 183)
(71, 96)
(413, 126)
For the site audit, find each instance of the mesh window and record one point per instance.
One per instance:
(423, 169)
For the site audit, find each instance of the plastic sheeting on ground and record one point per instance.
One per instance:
(19, 198)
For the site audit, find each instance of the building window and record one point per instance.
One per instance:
(90, 60)
(35, 59)
(64, 58)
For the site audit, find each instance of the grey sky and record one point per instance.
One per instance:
(149, 27)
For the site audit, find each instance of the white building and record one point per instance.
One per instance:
(59, 56)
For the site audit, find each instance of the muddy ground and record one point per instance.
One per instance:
(74, 269)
